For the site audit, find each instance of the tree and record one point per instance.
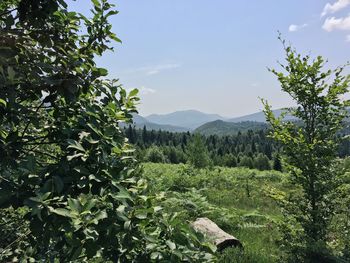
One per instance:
(197, 152)
(144, 135)
(261, 162)
(277, 164)
(246, 161)
(64, 161)
(230, 160)
(155, 155)
(310, 148)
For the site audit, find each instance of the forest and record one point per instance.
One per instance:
(78, 183)
(251, 149)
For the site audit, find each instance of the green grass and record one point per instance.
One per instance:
(234, 198)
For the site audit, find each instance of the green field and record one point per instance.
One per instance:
(235, 198)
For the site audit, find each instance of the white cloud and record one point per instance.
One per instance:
(294, 28)
(348, 38)
(145, 91)
(333, 23)
(142, 90)
(157, 69)
(153, 70)
(333, 8)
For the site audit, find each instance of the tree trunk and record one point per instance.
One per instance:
(216, 235)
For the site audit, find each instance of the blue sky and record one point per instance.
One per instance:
(213, 55)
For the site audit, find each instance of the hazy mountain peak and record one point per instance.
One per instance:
(185, 118)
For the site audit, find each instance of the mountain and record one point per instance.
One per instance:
(223, 128)
(190, 119)
(140, 122)
(139, 119)
(154, 126)
(259, 117)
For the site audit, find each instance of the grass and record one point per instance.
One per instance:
(234, 198)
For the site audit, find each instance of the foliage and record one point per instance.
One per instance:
(154, 155)
(197, 152)
(65, 164)
(223, 128)
(223, 151)
(310, 150)
(256, 220)
(243, 256)
(341, 223)
(261, 162)
(277, 163)
(220, 195)
(229, 160)
(246, 161)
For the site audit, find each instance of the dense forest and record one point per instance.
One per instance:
(252, 148)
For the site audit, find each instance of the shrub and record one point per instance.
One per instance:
(154, 155)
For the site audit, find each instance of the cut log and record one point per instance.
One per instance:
(215, 234)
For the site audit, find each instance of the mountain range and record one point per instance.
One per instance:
(193, 120)
(207, 124)
(189, 119)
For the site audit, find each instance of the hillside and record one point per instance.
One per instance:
(258, 117)
(223, 128)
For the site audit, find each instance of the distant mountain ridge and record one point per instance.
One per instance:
(193, 120)
(259, 117)
(223, 128)
(208, 124)
(190, 119)
(140, 122)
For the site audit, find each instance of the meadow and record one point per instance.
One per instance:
(237, 199)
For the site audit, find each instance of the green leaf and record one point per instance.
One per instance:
(61, 212)
(141, 215)
(156, 255)
(77, 253)
(58, 183)
(82, 170)
(103, 72)
(11, 74)
(133, 92)
(123, 193)
(3, 102)
(170, 244)
(101, 215)
(96, 3)
(74, 204)
(71, 157)
(75, 145)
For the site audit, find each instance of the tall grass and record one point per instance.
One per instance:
(234, 198)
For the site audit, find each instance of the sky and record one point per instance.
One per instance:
(213, 56)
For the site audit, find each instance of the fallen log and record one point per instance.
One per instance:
(215, 234)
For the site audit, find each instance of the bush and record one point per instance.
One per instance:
(246, 161)
(261, 162)
(154, 155)
(230, 160)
